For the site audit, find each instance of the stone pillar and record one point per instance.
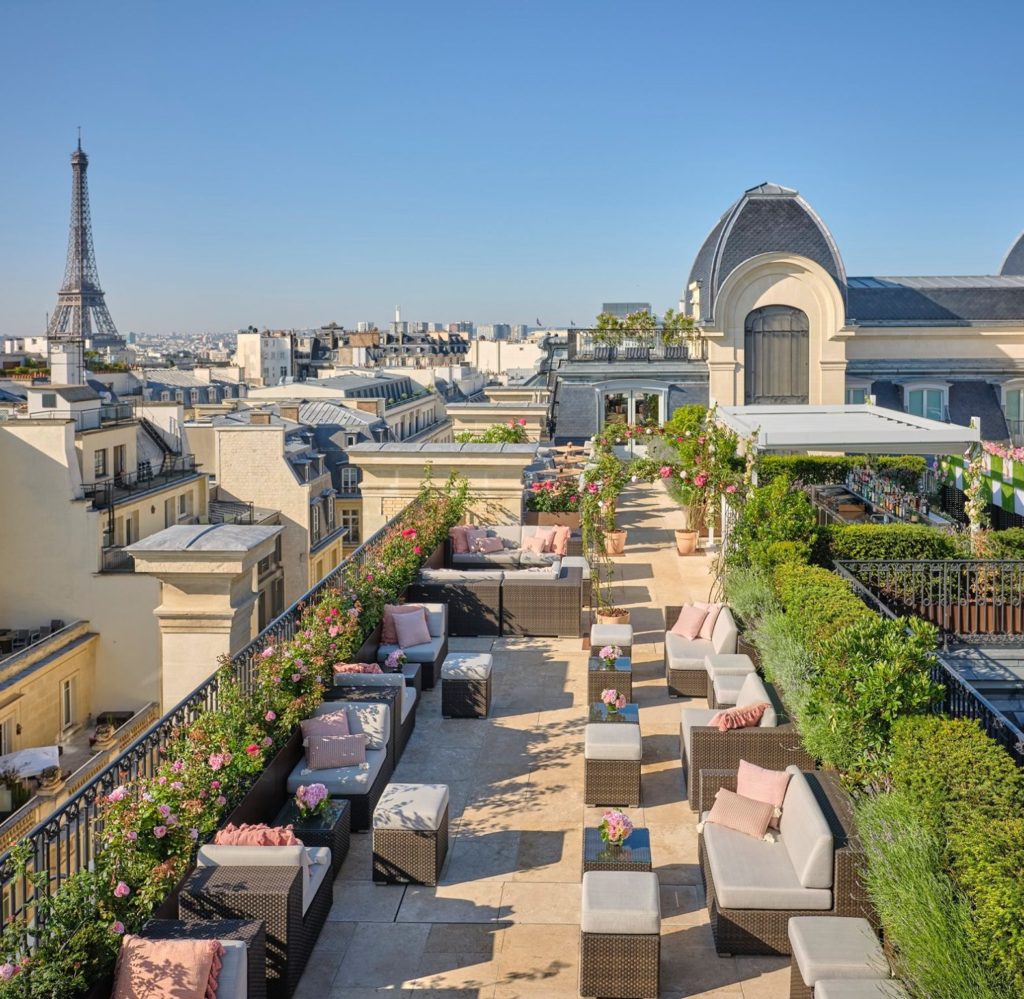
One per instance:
(392, 474)
(208, 596)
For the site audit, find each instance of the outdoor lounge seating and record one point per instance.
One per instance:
(536, 604)
(287, 887)
(684, 658)
(403, 704)
(243, 972)
(512, 555)
(754, 887)
(410, 834)
(363, 784)
(726, 674)
(620, 935)
(431, 654)
(840, 948)
(473, 598)
(466, 684)
(612, 634)
(773, 744)
(611, 767)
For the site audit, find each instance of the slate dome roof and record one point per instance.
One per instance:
(767, 218)
(1013, 262)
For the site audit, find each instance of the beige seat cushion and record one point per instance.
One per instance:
(620, 902)
(805, 833)
(753, 691)
(411, 806)
(727, 689)
(752, 874)
(467, 666)
(608, 741)
(342, 780)
(685, 654)
(611, 634)
(836, 947)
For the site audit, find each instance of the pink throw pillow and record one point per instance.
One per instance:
(473, 535)
(534, 543)
(708, 627)
(340, 669)
(412, 629)
(335, 723)
(560, 544)
(328, 752)
(768, 786)
(689, 621)
(459, 543)
(547, 534)
(167, 969)
(486, 546)
(742, 814)
(387, 628)
(749, 716)
(256, 835)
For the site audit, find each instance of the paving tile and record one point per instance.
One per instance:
(548, 902)
(383, 955)
(539, 960)
(466, 901)
(365, 902)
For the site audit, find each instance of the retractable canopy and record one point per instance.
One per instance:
(859, 429)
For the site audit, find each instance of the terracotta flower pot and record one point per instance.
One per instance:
(613, 615)
(686, 542)
(615, 542)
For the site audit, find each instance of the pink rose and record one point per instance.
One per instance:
(221, 800)
(215, 784)
(665, 471)
(122, 890)
(730, 489)
(164, 810)
(417, 550)
(160, 831)
(117, 926)
(252, 749)
(118, 793)
(131, 835)
(216, 761)
(270, 716)
(522, 421)
(700, 481)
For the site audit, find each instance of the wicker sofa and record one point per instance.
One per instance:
(361, 786)
(431, 654)
(473, 598)
(289, 888)
(754, 887)
(512, 555)
(774, 744)
(403, 720)
(684, 658)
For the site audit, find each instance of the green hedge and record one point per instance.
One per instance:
(821, 470)
(772, 514)
(1007, 544)
(884, 541)
(818, 600)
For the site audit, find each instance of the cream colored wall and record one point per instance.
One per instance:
(55, 541)
(251, 468)
(779, 279)
(997, 343)
(34, 701)
(477, 417)
(106, 438)
(494, 357)
(401, 418)
(202, 442)
(147, 512)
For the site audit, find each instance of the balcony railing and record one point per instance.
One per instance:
(641, 349)
(114, 558)
(125, 485)
(66, 841)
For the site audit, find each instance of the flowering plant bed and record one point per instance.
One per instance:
(554, 497)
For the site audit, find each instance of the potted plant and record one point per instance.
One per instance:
(13, 792)
(552, 504)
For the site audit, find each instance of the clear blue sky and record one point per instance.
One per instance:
(293, 163)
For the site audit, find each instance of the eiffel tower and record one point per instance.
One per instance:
(81, 312)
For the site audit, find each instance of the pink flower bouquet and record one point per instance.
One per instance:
(615, 827)
(608, 654)
(311, 799)
(613, 700)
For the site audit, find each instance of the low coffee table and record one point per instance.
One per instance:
(330, 828)
(629, 715)
(619, 677)
(633, 855)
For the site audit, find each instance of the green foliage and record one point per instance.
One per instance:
(867, 675)
(818, 600)
(785, 658)
(750, 596)
(1006, 544)
(953, 771)
(885, 541)
(686, 420)
(512, 432)
(926, 918)
(771, 513)
(820, 470)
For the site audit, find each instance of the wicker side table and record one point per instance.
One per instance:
(413, 676)
(331, 828)
(633, 855)
(619, 677)
(628, 715)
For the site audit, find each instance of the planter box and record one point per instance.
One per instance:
(368, 650)
(537, 519)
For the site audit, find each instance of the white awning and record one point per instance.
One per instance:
(31, 762)
(851, 429)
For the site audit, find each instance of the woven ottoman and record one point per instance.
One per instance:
(620, 935)
(832, 947)
(410, 834)
(612, 634)
(466, 684)
(611, 765)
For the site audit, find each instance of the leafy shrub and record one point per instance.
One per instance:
(750, 597)
(885, 541)
(772, 513)
(820, 470)
(989, 858)
(953, 771)
(926, 918)
(820, 602)
(785, 658)
(867, 675)
(1006, 544)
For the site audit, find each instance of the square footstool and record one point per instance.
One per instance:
(611, 766)
(620, 935)
(612, 634)
(726, 673)
(466, 684)
(410, 834)
(832, 947)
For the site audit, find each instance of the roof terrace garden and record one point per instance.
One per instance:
(916, 812)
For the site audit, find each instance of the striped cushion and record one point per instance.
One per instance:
(744, 815)
(325, 752)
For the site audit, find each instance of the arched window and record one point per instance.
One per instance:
(776, 356)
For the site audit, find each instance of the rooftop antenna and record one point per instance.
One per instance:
(79, 138)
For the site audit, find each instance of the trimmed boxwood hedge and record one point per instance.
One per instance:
(1006, 544)
(823, 470)
(819, 600)
(884, 541)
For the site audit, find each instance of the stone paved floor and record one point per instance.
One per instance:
(504, 921)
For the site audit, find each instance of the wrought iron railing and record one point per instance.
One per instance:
(66, 841)
(968, 600)
(900, 588)
(124, 485)
(587, 345)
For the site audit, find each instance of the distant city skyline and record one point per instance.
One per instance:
(290, 167)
